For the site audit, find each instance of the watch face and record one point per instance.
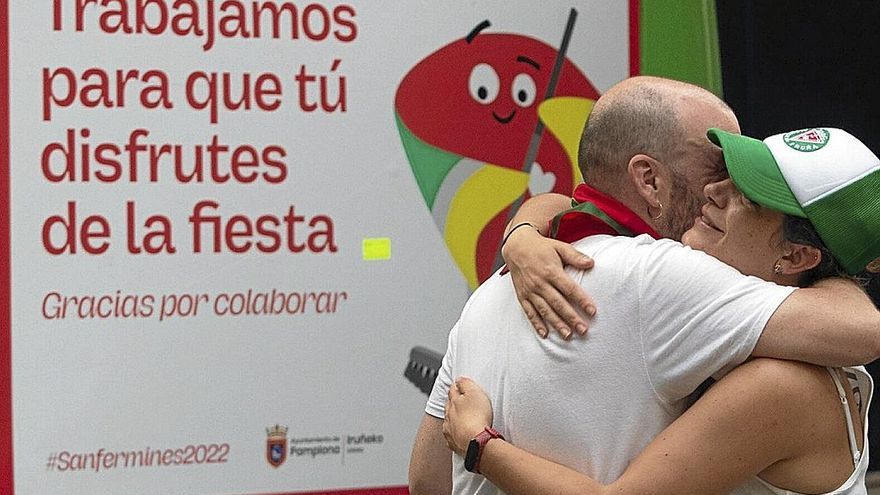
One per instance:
(472, 455)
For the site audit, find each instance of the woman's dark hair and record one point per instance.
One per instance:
(874, 290)
(801, 231)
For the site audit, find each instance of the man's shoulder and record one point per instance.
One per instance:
(497, 288)
(640, 242)
(643, 248)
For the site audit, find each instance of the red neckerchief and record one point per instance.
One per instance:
(594, 212)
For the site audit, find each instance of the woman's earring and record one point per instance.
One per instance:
(777, 268)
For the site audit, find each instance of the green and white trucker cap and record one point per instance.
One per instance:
(825, 175)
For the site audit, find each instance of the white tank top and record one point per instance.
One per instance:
(863, 387)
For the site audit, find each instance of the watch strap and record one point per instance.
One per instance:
(482, 439)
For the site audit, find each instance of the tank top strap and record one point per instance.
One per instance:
(850, 429)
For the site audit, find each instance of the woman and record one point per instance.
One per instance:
(768, 426)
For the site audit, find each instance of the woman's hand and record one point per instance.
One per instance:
(468, 411)
(545, 292)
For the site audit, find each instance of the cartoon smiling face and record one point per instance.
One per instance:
(467, 114)
(478, 96)
(484, 85)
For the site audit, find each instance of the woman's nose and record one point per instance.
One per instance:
(718, 192)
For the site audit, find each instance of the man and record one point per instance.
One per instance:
(660, 332)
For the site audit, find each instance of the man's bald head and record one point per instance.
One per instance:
(638, 115)
(666, 120)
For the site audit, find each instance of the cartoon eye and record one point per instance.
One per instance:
(484, 83)
(523, 90)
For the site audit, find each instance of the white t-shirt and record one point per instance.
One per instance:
(668, 319)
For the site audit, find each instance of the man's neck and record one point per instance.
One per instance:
(595, 212)
(626, 196)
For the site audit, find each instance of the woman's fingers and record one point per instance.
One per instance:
(548, 296)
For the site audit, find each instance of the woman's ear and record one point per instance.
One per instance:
(799, 258)
(644, 173)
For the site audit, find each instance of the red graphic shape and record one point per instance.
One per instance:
(435, 102)
(480, 99)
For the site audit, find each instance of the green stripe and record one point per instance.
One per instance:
(590, 209)
(679, 39)
(429, 164)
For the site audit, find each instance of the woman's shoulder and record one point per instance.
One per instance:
(779, 368)
(778, 381)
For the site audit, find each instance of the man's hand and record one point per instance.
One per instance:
(545, 292)
(468, 411)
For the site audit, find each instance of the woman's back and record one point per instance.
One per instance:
(802, 407)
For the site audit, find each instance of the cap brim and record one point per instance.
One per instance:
(755, 172)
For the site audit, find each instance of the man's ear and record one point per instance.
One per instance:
(799, 258)
(644, 172)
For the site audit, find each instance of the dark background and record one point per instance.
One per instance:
(790, 64)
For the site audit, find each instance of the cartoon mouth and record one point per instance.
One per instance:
(504, 120)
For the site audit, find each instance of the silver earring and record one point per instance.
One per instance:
(652, 217)
(777, 268)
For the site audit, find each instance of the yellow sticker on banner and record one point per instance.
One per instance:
(377, 248)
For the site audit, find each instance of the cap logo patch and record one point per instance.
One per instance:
(807, 140)
(874, 266)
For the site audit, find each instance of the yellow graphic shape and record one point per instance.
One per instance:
(483, 195)
(564, 117)
(376, 248)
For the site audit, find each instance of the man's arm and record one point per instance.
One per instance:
(547, 295)
(832, 323)
(430, 466)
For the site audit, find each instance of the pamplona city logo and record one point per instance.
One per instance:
(280, 447)
(276, 445)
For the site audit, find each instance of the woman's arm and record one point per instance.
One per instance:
(831, 323)
(545, 292)
(731, 434)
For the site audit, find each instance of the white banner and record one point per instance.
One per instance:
(232, 220)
